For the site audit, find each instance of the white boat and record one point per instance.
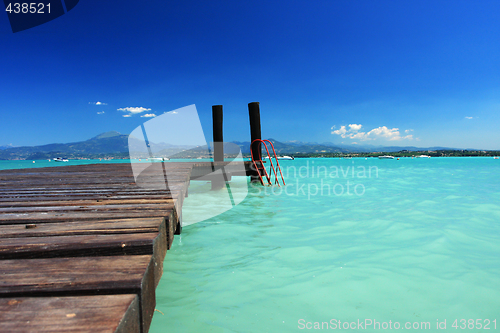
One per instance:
(60, 159)
(158, 159)
(279, 158)
(386, 157)
(422, 156)
(496, 157)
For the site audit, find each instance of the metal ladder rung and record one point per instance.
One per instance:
(263, 168)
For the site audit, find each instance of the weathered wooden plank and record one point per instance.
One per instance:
(72, 314)
(95, 176)
(75, 173)
(123, 226)
(77, 246)
(54, 217)
(48, 180)
(55, 199)
(91, 242)
(107, 171)
(107, 313)
(86, 202)
(18, 175)
(36, 198)
(93, 207)
(69, 172)
(148, 297)
(91, 189)
(114, 165)
(82, 211)
(160, 246)
(57, 277)
(145, 183)
(40, 175)
(30, 188)
(131, 320)
(78, 193)
(82, 182)
(171, 227)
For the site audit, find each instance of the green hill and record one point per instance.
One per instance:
(109, 144)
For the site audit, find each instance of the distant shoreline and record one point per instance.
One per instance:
(299, 155)
(435, 153)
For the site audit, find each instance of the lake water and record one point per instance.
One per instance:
(414, 243)
(358, 244)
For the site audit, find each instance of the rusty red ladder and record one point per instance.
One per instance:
(261, 169)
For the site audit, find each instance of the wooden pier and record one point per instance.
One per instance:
(82, 247)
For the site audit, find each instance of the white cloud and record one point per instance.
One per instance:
(408, 130)
(98, 103)
(134, 110)
(342, 131)
(355, 127)
(382, 132)
(360, 135)
(100, 112)
(148, 115)
(127, 115)
(171, 112)
(469, 117)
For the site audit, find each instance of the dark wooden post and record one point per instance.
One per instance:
(218, 142)
(254, 113)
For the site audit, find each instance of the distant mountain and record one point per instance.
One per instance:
(372, 148)
(412, 148)
(110, 144)
(105, 144)
(6, 147)
(294, 147)
(116, 145)
(302, 143)
(105, 135)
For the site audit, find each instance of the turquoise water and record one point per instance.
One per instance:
(418, 242)
(411, 242)
(4, 165)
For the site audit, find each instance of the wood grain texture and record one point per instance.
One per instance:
(77, 246)
(89, 193)
(70, 235)
(57, 277)
(107, 313)
(100, 227)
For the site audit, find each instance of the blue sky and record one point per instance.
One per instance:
(407, 73)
